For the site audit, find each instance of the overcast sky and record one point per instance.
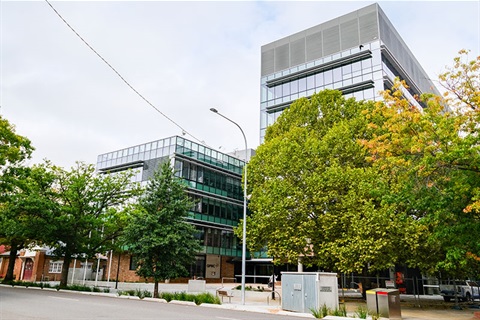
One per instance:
(185, 57)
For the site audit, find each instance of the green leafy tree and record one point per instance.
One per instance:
(158, 235)
(434, 157)
(92, 211)
(26, 209)
(462, 82)
(315, 196)
(14, 149)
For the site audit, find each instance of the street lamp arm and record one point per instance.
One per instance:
(241, 130)
(244, 225)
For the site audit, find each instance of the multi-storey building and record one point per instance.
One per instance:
(214, 183)
(359, 53)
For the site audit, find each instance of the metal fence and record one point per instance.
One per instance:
(405, 285)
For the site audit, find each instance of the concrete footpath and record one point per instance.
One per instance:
(427, 307)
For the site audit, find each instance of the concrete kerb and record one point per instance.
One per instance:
(255, 302)
(155, 300)
(128, 297)
(185, 303)
(251, 307)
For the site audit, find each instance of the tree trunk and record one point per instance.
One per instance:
(366, 283)
(11, 262)
(66, 264)
(155, 289)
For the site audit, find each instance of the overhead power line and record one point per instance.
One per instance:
(121, 77)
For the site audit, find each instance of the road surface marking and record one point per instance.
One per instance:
(63, 298)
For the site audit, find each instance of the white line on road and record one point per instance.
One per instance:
(63, 298)
(226, 318)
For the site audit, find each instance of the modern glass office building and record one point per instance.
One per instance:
(214, 183)
(359, 53)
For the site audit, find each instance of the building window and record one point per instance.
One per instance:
(55, 267)
(133, 263)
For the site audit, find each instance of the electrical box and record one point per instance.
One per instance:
(303, 291)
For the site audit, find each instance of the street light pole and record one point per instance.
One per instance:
(244, 238)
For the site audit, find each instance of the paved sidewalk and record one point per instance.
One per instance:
(412, 309)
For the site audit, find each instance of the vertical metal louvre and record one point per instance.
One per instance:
(314, 46)
(368, 27)
(297, 52)
(403, 55)
(268, 62)
(331, 40)
(349, 34)
(282, 57)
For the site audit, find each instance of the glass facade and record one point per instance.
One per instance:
(213, 179)
(361, 79)
(359, 54)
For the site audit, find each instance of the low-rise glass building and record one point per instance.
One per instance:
(214, 183)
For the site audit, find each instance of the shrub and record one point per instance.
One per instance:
(341, 312)
(249, 288)
(325, 310)
(27, 284)
(316, 313)
(197, 298)
(77, 287)
(361, 312)
(320, 313)
(142, 294)
(206, 297)
(130, 292)
(374, 315)
(166, 295)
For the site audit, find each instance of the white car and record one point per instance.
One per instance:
(466, 290)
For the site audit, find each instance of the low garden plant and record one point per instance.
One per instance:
(361, 312)
(29, 284)
(200, 298)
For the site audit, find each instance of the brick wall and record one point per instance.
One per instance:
(18, 267)
(227, 268)
(125, 274)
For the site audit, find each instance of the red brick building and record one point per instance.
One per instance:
(40, 265)
(216, 265)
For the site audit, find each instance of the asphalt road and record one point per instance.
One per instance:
(20, 303)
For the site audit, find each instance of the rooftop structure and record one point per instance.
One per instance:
(359, 53)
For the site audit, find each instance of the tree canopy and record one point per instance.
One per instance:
(315, 195)
(90, 213)
(14, 148)
(434, 155)
(26, 210)
(158, 235)
(14, 183)
(347, 184)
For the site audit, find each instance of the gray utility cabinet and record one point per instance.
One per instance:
(385, 302)
(303, 291)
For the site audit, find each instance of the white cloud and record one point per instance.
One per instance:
(185, 57)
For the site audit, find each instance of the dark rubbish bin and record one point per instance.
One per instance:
(385, 302)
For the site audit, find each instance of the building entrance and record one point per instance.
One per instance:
(28, 269)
